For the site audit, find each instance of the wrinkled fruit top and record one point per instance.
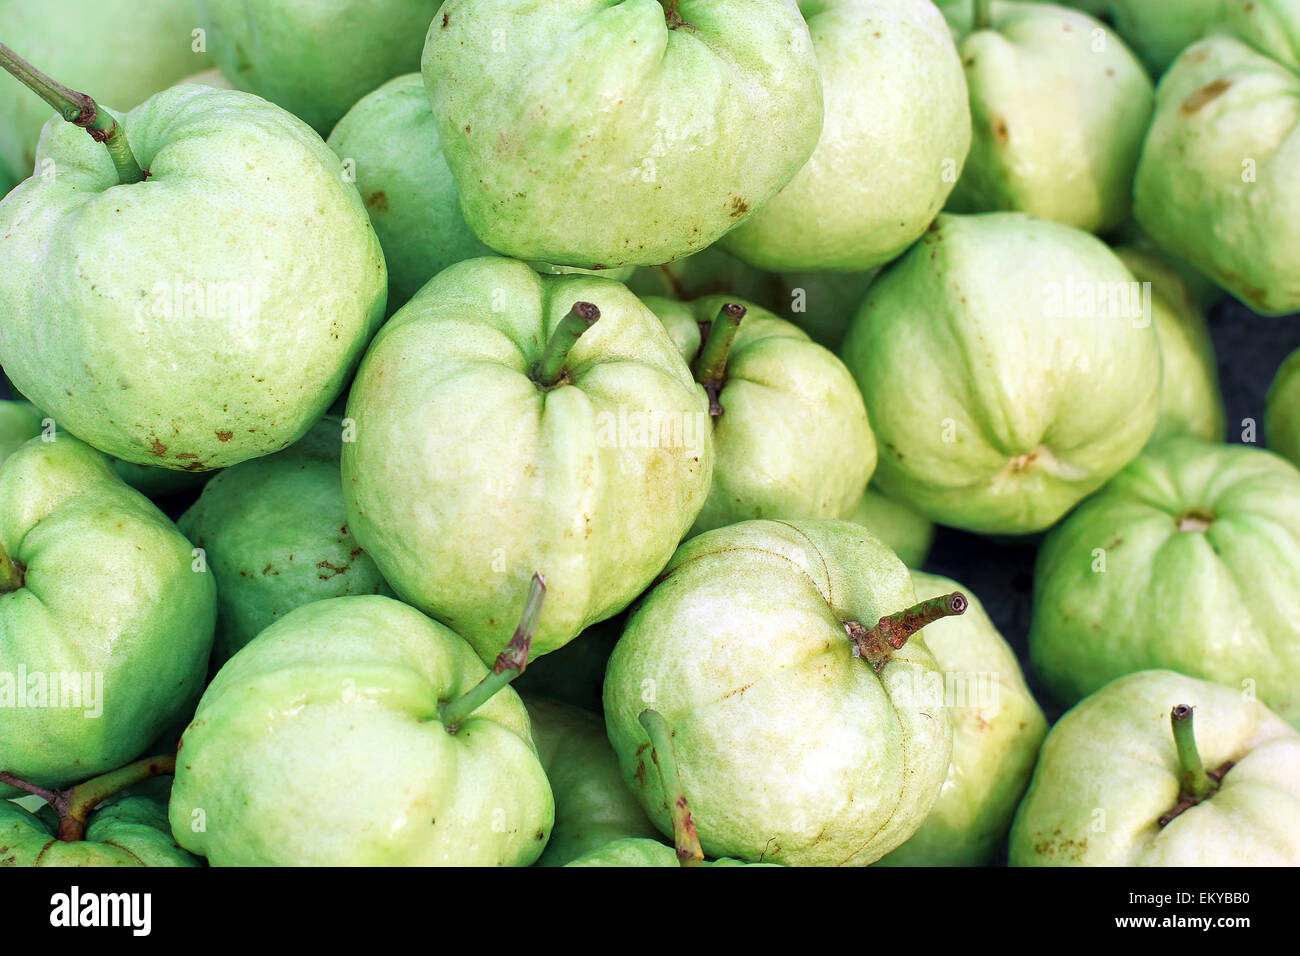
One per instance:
(600, 134)
(207, 315)
(131, 831)
(348, 690)
(791, 749)
(1109, 771)
(111, 627)
(467, 475)
(793, 439)
(1008, 368)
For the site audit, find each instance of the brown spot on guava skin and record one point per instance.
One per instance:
(738, 207)
(331, 570)
(225, 436)
(157, 447)
(1206, 94)
(378, 201)
(1000, 131)
(740, 690)
(446, 17)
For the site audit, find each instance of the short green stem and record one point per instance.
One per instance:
(11, 572)
(549, 370)
(510, 663)
(685, 836)
(75, 804)
(892, 631)
(1195, 781)
(983, 14)
(710, 365)
(80, 110)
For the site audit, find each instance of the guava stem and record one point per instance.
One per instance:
(75, 804)
(710, 366)
(983, 14)
(510, 663)
(79, 110)
(685, 836)
(550, 367)
(84, 797)
(672, 17)
(11, 572)
(1195, 781)
(892, 631)
(49, 796)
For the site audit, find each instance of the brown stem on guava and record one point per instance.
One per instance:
(685, 837)
(74, 805)
(510, 663)
(678, 290)
(549, 372)
(710, 365)
(1195, 783)
(79, 110)
(877, 644)
(673, 18)
(12, 574)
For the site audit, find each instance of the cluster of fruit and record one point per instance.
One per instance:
(660, 332)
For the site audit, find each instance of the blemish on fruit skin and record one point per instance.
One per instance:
(333, 569)
(225, 436)
(1000, 131)
(378, 201)
(1206, 94)
(738, 207)
(157, 447)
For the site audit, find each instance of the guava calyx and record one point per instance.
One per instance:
(1195, 519)
(12, 572)
(716, 338)
(1195, 782)
(877, 644)
(74, 804)
(509, 664)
